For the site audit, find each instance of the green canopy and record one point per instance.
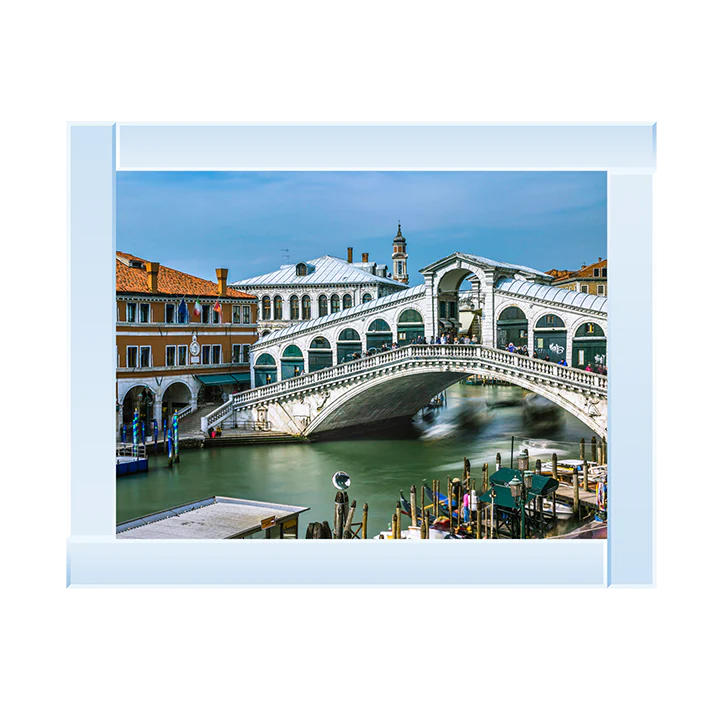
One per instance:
(210, 380)
(501, 479)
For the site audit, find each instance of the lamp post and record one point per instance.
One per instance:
(520, 490)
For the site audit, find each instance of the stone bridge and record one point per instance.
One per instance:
(397, 383)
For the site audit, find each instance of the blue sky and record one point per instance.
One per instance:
(199, 221)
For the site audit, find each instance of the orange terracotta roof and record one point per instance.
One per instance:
(170, 282)
(586, 272)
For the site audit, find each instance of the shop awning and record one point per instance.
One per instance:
(211, 380)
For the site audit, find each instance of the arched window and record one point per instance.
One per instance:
(294, 304)
(305, 307)
(589, 347)
(349, 346)
(512, 328)
(266, 308)
(323, 305)
(301, 270)
(347, 301)
(264, 370)
(278, 313)
(292, 362)
(410, 327)
(379, 336)
(334, 303)
(320, 354)
(550, 338)
(366, 297)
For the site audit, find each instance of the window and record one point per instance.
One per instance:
(182, 356)
(334, 304)
(183, 313)
(400, 268)
(217, 316)
(452, 309)
(266, 308)
(132, 356)
(145, 313)
(236, 314)
(247, 314)
(131, 312)
(305, 307)
(246, 353)
(294, 302)
(278, 313)
(596, 272)
(583, 288)
(442, 309)
(170, 356)
(236, 354)
(170, 317)
(216, 354)
(601, 290)
(346, 303)
(366, 297)
(205, 354)
(580, 357)
(145, 356)
(605, 272)
(301, 269)
(205, 313)
(323, 306)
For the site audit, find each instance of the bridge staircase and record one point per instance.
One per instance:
(189, 425)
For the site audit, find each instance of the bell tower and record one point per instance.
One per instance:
(399, 258)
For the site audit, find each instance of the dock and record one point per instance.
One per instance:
(216, 518)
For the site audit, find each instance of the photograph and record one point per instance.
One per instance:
(361, 355)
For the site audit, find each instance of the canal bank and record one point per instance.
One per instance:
(477, 423)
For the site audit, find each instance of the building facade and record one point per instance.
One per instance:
(590, 279)
(313, 289)
(180, 340)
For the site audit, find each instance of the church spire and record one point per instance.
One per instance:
(399, 257)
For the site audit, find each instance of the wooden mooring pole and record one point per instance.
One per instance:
(413, 503)
(398, 515)
(582, 448)
(365, 514)
(538, 466)
(593, 448)
(339, 518)
(585, 483)
(485, 476)
(554, 465)
(346, 534)
(498, 461)
(575, 494)
(467, 469)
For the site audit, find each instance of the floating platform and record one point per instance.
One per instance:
(216, 518)
(130, 465)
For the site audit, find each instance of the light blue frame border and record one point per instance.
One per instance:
(626, 152)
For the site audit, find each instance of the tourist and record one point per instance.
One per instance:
(562, 363)
(547, 357)
(511, 348)
(475, 340)
(588, 368)
(473, 506)
(465, 505)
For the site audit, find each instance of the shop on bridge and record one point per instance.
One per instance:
(409, 327)
(512, 327)
(292, 362)
(349, 343)
(265, 371)
(589, 347)
(550, 337)
(320, 354)
(378, 334)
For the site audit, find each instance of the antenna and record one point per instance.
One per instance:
(286, 254)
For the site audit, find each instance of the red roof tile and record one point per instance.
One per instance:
(170, 281)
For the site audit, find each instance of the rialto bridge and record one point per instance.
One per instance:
(318, 376)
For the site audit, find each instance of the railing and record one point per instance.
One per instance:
(181, 413)
(127, 449)
(504, 361)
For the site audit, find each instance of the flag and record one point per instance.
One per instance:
(182, 311)
(217, 309)
(197, 309)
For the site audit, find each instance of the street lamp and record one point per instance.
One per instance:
(520, 490)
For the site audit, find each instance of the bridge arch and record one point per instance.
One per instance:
(404, 392)
(409, 323)
(292, 362)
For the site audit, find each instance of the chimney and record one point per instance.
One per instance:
(222, 275)
(599, 259)
(152, 269)
(365, 258)
(350, 254)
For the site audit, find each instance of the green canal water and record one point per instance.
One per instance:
(477, 422)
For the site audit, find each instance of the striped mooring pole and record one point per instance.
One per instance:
(123, 434)
(165, 430)
(169, 444)
(135, 433)
(176, 457)
(155, 436)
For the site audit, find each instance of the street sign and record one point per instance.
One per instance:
(341, 480)
(268, 522)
